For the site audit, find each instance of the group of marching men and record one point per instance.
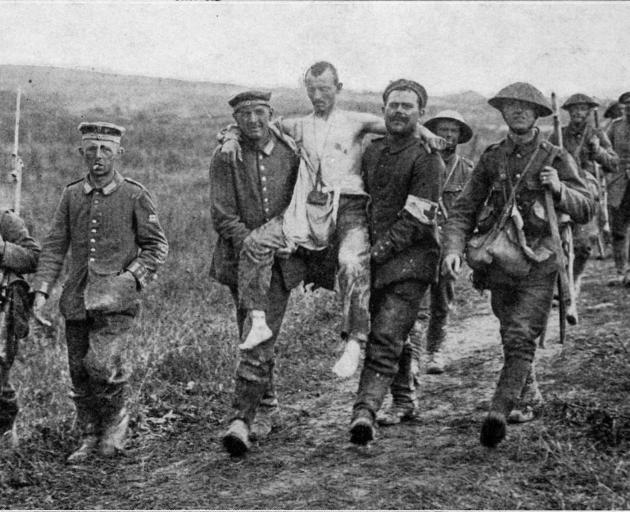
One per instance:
(305, 200)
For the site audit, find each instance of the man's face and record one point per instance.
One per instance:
(100, 156)
(402, 112)
(520, 116)
(579, 113)
(322, 91)
(253, 121)
(449, 131)
(625, 109)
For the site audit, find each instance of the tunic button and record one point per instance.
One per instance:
(264, 189)
(93, 221)
(262, 167)
(92, 249)
(92, 240)
(518, 175)
(518, 155)
(93, 230)
(92, 260)
(264, 178)
(266, 200)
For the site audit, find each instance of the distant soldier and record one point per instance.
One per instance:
(110, 227)
(619, 192)
(588, 146)
(612, 112)
(19, 256)
(244, 199)
(403, 181)
(451, 126)
(521, 297)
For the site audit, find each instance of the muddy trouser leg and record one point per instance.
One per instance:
(522, 309)
(8, 399)
(619, 224)
(441, 296)
(77, 342)
(255, 263)
(255, 366)
(353, 240)
(394, 309)
(107, 363)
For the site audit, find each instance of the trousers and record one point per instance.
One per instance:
(99, 367)
(254, 372)
(619, 224)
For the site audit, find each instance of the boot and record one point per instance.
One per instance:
(114, 434)
(620, 255)
(404, 402)
(266, 418)
(373, 387)
(530, 402)
(8, 411)
(436, 363)
(88, 423)
(509, 389)
(236, 438)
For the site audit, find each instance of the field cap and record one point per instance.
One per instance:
(250, 98)
(403, 83)
(100, 130)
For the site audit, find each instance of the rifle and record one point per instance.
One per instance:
(602, 190)
(10, 346)
(562, 243)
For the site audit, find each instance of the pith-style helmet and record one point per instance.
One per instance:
(523, 91)
(466, 132)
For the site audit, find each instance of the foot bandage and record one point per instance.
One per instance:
(349, 360)
(258, 333)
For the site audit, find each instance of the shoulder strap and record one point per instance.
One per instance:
(450, 172)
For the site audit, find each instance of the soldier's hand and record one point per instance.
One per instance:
(38, 306)
(549, 178)
(594, 143)
(231, 150)
(451, 265)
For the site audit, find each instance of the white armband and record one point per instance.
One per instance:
(423, 210)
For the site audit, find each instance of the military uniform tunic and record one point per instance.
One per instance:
(108, 231)
(405, 254)
(18, 255)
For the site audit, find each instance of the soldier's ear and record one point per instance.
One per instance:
(121, 150)
(339, 86)
(80, 150)
(421, 112)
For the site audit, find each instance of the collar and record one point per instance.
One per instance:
(512, 147)
(267, 148)
(88, 187)
(396, 145)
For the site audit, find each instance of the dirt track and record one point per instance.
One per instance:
(435, 462)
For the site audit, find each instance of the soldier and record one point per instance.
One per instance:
(451, 126)
(520, 296)
(332, 139)
(245, 198)
(110, 225)
(619, 192)
(612, 112)
(588, 146)
(19, 256)
(403, 181)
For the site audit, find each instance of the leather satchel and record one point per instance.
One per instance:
(321, 212)
(502, 246)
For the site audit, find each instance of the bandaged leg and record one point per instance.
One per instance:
(348, 363)
(258, 332)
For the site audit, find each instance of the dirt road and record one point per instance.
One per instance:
(435, 462)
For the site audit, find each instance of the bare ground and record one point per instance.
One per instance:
(574, 456)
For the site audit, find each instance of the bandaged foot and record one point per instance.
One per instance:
(349, 360)
(258, 333)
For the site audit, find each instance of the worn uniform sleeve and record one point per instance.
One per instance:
(54, 248)
(20, 251)
(575, 199)
(606, 155)
(417, 220)
(150, 238)
(225, 217)
(463, 216)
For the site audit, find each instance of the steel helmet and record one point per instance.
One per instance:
(466, 132)
(523, 91)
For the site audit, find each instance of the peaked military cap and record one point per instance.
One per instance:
(403, 83)
(613, 111)
(100, 130)
(466, 132)
(624, 97)
(249, 98)
(578, 98)
(523, 91)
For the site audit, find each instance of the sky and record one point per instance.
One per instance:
(447, 46)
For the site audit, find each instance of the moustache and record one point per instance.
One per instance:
(399, 117)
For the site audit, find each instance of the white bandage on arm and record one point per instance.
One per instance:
(423, 210)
